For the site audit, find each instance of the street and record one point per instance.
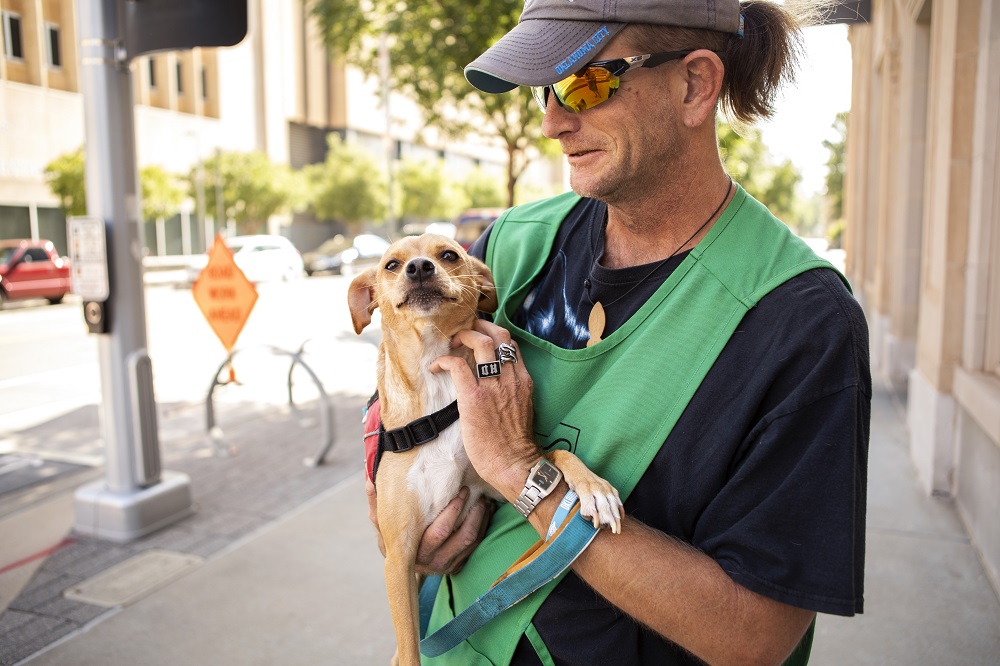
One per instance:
(50, 363)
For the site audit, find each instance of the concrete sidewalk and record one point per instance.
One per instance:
(308, 589)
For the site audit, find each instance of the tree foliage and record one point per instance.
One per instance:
(748, 162)
(253, 187)
(425, 193)
(65, 177)
(835, 167)
(429, 44)
(482, 190)
(348, 186)
(162, 193)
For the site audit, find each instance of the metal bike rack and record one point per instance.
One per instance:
(326, 410)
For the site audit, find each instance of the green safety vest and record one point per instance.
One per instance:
(613, 404)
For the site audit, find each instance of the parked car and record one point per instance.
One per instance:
(261, 257)
(32, 269)
(326, 257)
(342, 255)
(471, 224)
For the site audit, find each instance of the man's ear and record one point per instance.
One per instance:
(361, 299)
(703, 74)
(487, 290)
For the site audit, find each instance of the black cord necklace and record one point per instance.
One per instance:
(597, 319)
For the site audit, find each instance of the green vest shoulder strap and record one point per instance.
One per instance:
(614, 404)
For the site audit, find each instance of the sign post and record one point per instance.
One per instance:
(135, 497)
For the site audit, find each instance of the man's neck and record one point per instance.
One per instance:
(668, 221)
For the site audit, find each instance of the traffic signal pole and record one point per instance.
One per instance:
(135, 497)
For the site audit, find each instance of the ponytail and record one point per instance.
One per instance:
(757, 63)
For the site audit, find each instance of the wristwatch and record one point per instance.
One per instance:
(542, 480)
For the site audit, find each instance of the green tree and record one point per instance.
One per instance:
(747, 160)
(348, 186)
(429, 44)
(835, 167)
(424, 192)
(483, 190)
(162, 193)
(253, 188)
(65, 177)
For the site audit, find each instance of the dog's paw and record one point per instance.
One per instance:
(599, 501)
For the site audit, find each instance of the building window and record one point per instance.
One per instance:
(151, 65)
(13, 48)
(52, 44)
(204, 83)
(180, 79)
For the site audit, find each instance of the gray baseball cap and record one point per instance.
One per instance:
(555, 38)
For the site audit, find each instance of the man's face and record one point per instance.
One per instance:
(622, 149)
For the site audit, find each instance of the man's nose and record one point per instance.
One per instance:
(419, 269)
(557, 120)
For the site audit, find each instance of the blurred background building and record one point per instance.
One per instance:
(278, 92)
(922, 208)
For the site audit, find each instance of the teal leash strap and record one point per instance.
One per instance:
(552, 561)
(425, 601)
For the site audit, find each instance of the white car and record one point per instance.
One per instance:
(262, 258)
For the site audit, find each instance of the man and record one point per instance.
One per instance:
(675, 336)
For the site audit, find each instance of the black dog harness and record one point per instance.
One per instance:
(413, 434)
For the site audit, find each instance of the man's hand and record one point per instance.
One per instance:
(497, 413)
(447, 543)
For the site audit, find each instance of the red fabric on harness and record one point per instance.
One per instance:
(373, 419)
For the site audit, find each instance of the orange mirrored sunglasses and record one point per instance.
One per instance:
(598, 81)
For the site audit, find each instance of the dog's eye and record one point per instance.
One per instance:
(449, 255)
(392, 265)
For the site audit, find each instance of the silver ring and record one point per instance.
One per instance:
(491, 369)
(506, 352)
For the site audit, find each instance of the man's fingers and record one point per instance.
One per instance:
(482, 345)
(450, 557)
(441, 527)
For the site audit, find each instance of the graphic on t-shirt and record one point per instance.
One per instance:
(563, 436)
(547, 311)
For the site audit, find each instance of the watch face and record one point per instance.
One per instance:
(545, 476)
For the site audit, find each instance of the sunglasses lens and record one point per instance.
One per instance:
(587, 89)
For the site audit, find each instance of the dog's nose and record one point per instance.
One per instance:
(420, 269)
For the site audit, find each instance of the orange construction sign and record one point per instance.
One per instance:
(224, 294)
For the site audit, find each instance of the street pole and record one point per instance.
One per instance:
(135, 497)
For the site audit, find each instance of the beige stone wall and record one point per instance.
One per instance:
(922, 203)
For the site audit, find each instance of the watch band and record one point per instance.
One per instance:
(542, 480)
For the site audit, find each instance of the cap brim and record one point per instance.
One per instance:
(529, 55)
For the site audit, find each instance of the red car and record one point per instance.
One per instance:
(32, 269)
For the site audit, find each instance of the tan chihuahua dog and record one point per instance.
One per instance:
(427, 289)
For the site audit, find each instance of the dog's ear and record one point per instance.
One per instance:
(361, 299)
(487, 290)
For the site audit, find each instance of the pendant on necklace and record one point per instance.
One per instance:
(595, 324)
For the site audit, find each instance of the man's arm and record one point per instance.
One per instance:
(682, 594)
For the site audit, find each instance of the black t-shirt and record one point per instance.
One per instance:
(766, 469)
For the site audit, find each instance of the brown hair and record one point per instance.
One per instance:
(757, 64)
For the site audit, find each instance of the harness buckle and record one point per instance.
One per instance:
(413, 434)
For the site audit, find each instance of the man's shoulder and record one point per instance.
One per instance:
(552, 209)
(813, 315)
